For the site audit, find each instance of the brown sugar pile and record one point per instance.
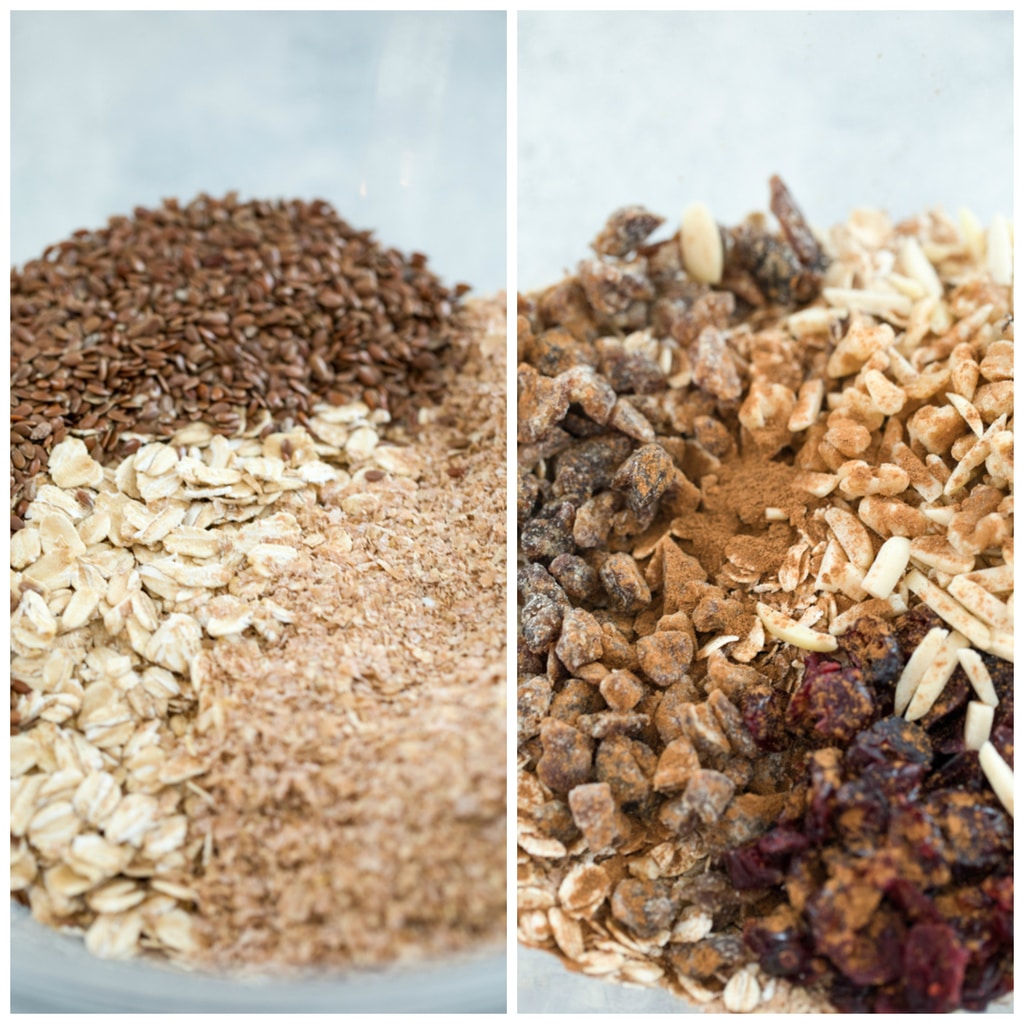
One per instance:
(357, 811)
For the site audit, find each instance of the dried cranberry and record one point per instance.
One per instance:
(856, 930)
(933, 968)
(764, 714)
(763, 861)
(887, 857)
(871, 645)
(963, 771)
(911, 901)
(947, 712)
(912, 628)
(977, 835)
(861, 815)
(1001, 672)
(890, 741)
(750, 868)
(985, 982)
(825, 780)
(782, 946)
(781, 841)
(1002, 740)
(847, 997)
(915, 837)
(832, 704)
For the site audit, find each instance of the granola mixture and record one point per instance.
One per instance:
(257, 688)
(765, 698)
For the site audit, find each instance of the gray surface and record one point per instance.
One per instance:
(53, 973)
(902, 111)
(898, 110)
(545, 986)
(115, 110)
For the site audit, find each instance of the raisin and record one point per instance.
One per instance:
(832, 703)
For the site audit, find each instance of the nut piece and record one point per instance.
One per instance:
(935, 676)
(978, 725)
(701, 243)
(916, 666)
(998, 773)
(979, 677)
(598, 817)
(791, 632)
(888, 567)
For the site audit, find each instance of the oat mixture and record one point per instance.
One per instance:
(765, 699)
(258, 693)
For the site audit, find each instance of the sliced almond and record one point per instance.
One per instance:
(971, 415)
(1000, 252)
(808, 405)
(888, 567)
(1000, 643)
(950, 610)
(788, 630)
(978, 724)
(977, 600)
(978, 675)
(997, 579)
(998, 773)
(916, 665)
(816, 484)
(915, 264)
(701, 241)
(852, 535)
(936, 552)
(935, 676)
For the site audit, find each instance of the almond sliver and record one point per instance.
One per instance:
(978, 725)
(998, 773)
(784, 628)
(916, 665)
(935, 677)
(979, 676)
(887, 568)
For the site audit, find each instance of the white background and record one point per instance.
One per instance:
(115, 110)
(899, 110)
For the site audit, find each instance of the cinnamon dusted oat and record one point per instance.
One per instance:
(258, 680)
(787, 526)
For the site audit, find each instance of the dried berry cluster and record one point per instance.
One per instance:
(220, 310)
(895, 859)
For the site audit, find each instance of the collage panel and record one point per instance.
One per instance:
(258, 512)
(764, 512)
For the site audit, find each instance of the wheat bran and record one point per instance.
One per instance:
(357, 771)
